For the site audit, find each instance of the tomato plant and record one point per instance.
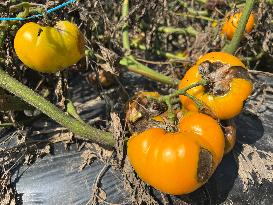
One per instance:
(228, 84)
(178, 162)
(49, 49)
(231, 23)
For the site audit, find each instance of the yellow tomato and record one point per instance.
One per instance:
(224, 106)
(49, 49)
(178, 162)
(174, 163)
(231, 23)
(208, 128)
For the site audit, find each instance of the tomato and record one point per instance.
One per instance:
(49, 49)
(222, 57)
(208, 128)
(228, 85)
(231, 23)
(141, 109)
(178, 162)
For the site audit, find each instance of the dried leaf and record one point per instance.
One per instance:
(88, 157)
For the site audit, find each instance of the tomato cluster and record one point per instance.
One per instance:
(181, 159)
(174, 156)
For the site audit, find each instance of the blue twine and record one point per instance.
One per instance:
(38, 15)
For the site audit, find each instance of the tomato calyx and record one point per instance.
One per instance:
(219, 76)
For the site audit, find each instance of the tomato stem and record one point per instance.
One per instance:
(234, 43)
(158, 52)
(28, 8)
(171, 114)
(130, 62)
(84, 130)
(185, 89)
(189, 30)
(198, 103)
(196, 17)
(133, 65)
(71, 110)
(171, 98)
(125, 28)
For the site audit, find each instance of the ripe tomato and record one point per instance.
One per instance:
(208, 128)
(231, 23)
(178, 162)
(48, 49)
(229, 84)
(222, 57)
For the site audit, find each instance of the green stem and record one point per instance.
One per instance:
(171, 114)
(255, 58)
(202, 1)
(136, 67)
(24, 13)
(82, 129)
(70, 109)
(198, 103)
(158, 52)
(6, 125)
(185, 89)
(125, 28)
(233, 45)
(172, 98)
(189, 30)
(197, 13)
(195, 16)
(130, 62)
(27, 9)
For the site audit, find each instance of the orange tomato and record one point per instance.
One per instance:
(224, 105)
(208, 128)
(231, 23)
(48, 49)
(178, 162)
(222, 57)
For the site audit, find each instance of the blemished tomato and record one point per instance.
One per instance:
(178, 162)
(49, 49)
(228, 86)
(231, 23)
(208, 128)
